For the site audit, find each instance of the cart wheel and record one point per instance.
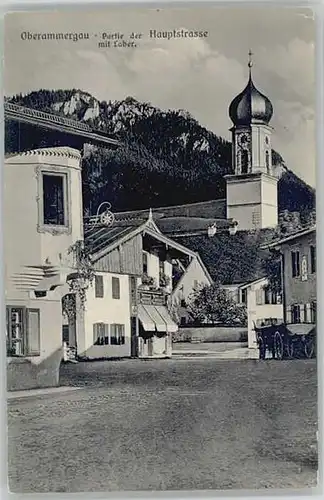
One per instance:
(290, 349)
(262, 348)
(309, 348)
(278, 346)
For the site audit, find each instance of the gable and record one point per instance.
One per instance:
(127, 258)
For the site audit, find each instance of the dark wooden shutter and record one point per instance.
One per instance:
(293, 264)
(313, 259)
(115, 288)
(297, 264)
(99, 288)
(33, 332)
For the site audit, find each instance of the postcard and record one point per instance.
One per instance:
(160, 249)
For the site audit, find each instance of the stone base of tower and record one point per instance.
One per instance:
(251, 199)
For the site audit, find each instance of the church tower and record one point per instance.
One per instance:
(251, 192)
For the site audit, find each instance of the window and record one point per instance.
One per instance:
(295, 264)
(270, 297)
(313, 258)
(54, 200)
(117, 334)
(144, 262)
(100, 334)
(244, 162)
(195, 286)
(243, 296)
(295, 314)
(115, 288)
(23, 331)
(99, 287)
(267, 160)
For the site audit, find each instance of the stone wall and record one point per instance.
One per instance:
(212, 334)
(23, 374)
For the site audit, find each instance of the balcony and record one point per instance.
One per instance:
(152, 297)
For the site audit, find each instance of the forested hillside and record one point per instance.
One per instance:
(166, 157)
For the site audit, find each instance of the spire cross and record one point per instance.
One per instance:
(250, 58)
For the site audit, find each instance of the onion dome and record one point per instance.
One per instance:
(250, 106)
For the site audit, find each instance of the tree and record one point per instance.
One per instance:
(211, 303)
(272, 269)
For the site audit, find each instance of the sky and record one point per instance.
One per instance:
(199, 75)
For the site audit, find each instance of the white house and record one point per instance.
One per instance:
(127, 310)
(262, 305)
(260, 302)
(43, 218)
(195, 276)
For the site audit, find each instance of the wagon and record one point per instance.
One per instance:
(285, 341)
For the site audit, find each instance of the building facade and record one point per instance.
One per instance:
(129, 303)
(298, 254)
(262, 306)
(43, 207)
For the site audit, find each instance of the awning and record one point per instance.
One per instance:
(301, 328)
(146, 320)
(171, 325)
(156, 318)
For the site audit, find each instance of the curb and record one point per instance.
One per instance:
(29, 393)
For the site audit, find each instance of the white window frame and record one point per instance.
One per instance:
(54, 228)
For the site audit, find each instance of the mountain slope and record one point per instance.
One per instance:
(166, 158)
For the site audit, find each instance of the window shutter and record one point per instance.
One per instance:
(302, 313)
(293, 265)
(99, 289)
(288, 315)
(115, 288)
(95, 333)
(33, 332)
(308, 316)
(297, 264)
(259, 297)
(313, 258)
(314, 312)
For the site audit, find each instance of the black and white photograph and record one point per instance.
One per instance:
(159, 237)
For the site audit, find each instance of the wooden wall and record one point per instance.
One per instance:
(126, 259)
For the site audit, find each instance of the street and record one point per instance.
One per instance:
(168, 424)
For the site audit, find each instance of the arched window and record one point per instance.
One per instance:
(267, 160)
(244, 161)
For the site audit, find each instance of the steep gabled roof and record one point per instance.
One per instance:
(290, 237)
(249, 283)
(101, 240)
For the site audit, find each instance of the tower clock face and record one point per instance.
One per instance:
(243, 141)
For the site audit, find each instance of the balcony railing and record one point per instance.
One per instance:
(152, 297)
